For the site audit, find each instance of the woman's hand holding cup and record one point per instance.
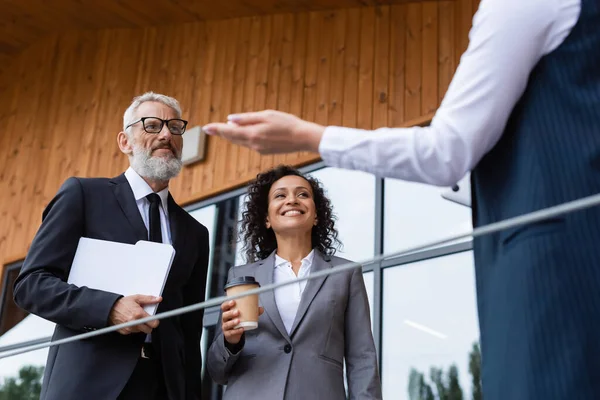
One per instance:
(230, 318)
(230, 321)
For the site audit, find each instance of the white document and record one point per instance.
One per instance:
(461, 192)
(122, 268)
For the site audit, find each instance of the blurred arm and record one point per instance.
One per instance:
(41, 287)
(507, 40)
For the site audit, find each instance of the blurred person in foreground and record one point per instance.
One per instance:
(523, 115)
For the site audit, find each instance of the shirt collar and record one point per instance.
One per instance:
(281, 262)
(141, 189)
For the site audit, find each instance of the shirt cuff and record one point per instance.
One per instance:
(334, 143)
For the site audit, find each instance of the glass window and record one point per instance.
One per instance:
(10, 313)
(240, 258)
(368, 278)
(352, 194)
(429, 320)
(30, 328)
(417, 214)
(207, 217)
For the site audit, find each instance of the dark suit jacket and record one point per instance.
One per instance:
(332, 326)
(99, 367)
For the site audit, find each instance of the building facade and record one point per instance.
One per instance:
(62, 102)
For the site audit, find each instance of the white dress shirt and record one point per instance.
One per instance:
(506, 41)
(140, 190)
(288, 297)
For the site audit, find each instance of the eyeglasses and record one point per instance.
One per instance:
(154, 125)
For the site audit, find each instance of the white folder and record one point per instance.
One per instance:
(122, 268)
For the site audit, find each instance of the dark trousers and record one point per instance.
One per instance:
(146, 382)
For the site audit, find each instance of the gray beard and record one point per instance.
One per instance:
(159, 169)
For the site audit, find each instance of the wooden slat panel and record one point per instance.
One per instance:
(446, 60)
(221, 111)
(262, 76)
(414, 64)
(309, 105)
(186, 51)
(351, 68)
(365, 69)
(429, 95)
(284, 94)
(397, 69)
(205, 73)
(247, 157)
(464, 15)
(237, 102)
(360, 67)
(381, 67)
(241, 97)
(298, 70)
(273, 75)
(217, 146)
(22, 22)
(325, 44)
(336, 72)
(316, 28)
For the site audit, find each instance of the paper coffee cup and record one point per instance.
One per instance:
(247, 305)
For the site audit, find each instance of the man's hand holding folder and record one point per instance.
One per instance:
(130, 308)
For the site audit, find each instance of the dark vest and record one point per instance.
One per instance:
(539, 286)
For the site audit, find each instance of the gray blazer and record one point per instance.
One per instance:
(332, 325)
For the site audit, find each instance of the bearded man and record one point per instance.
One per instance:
(147, 361)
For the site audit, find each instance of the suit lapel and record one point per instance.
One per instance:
(178, 239)
(126, 200)
(311, 290)
(264, 276)
(177, 226)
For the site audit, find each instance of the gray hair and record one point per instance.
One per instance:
(149, 96)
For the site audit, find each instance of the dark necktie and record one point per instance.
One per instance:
(155, 232)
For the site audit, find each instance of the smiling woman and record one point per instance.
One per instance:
(284, 190)
(308, 329)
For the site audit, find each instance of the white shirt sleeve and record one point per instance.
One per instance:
(507, 40)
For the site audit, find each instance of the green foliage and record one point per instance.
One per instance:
(26, 386)
(475, 371)
(446, 385)
(418, 389)
(454, 391)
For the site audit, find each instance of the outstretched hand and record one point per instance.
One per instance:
(269, 132)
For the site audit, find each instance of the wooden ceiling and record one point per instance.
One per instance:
(22, 22)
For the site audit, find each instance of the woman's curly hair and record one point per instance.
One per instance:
(260, 242)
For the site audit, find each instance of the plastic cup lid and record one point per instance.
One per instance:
(241, 280)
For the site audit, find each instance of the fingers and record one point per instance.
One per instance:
(230, 325)
(233, 335)
(261, 310)
(144, 299)
(231, 132)
(251, 118)
(153, 324)
(229, 315)
(136, 329)
(227, 305)
(218, 129)
(143, 328)
(229, 320)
